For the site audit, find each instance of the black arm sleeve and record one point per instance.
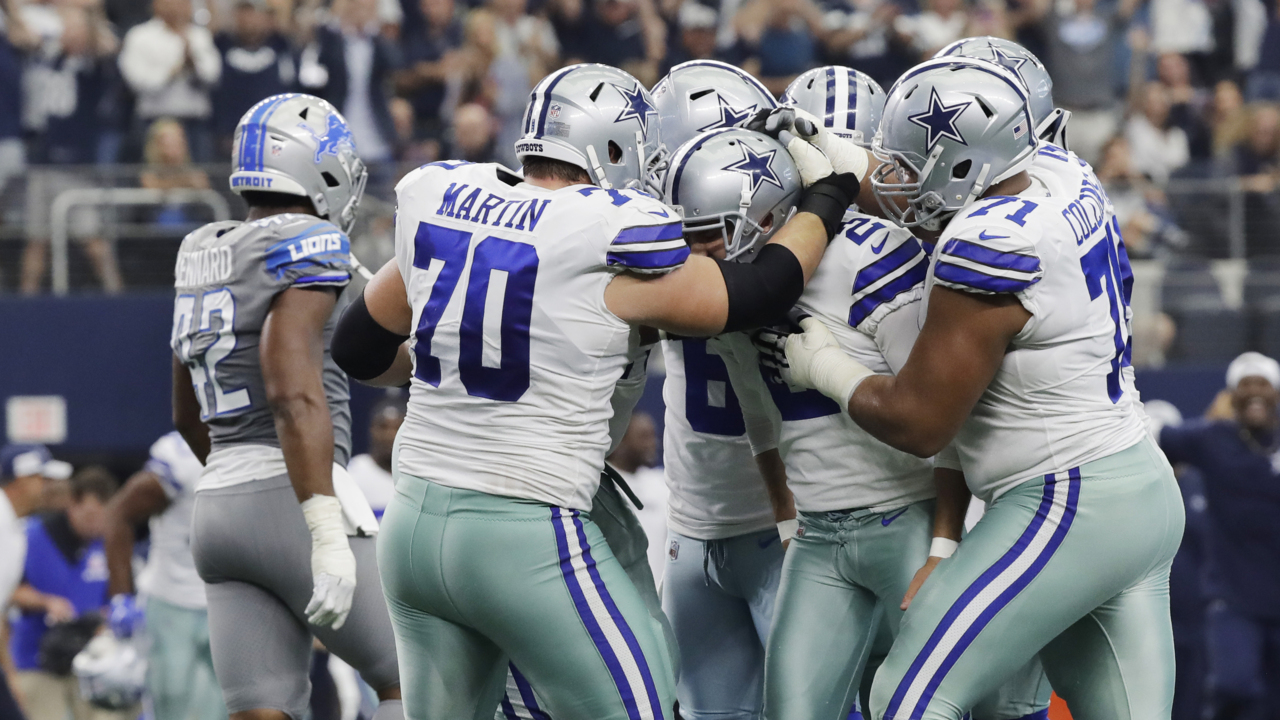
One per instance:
(829, 198)
(762, 291)
(361, 347)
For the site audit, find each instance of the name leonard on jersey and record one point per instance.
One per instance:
(203, 267)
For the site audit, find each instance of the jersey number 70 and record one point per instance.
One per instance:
(502, 271)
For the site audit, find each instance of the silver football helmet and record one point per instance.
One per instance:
(848, 102)
(112, 672)
(702, 95)
(739, 182)
(598, 118)
(1051, 121)
(297, 144)
(951, 129)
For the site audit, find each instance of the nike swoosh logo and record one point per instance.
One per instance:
(984, 236)
(767, 541)
(877, 248)
(886, 520)
(660, 213)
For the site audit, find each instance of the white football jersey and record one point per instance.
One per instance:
(867, 291)
(1063, 395)
(711, 438)
(515, 356)
(170, 574)
(627, 394)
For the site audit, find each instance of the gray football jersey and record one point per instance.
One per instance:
(225, 279)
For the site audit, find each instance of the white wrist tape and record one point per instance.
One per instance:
(942, 547)
(845, 156)
(837, 375)
(787, 529)
(810, 161)
(330, 553)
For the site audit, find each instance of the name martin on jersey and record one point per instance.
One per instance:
(518, 213)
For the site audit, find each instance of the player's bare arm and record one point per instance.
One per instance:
(186, 412)
(948, 525)
(292, 364)
(141, 498)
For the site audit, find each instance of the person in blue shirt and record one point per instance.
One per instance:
(1239, 460)
(64, 577)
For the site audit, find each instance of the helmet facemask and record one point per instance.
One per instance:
(742, 236)
(924, 210)
(1053, 129)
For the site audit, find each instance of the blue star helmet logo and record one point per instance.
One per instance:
(637, 106)
(728, 116)
(1013, 63)
(758, 167)
(940, 120)
(336, 135)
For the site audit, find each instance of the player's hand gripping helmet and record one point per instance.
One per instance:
(1051, 121)
(848, 102)
(598, 118)
(739, 182)
(112, 672)
(702, 95)
(951, 129)
(296, 144)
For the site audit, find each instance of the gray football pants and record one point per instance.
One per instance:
(253, 550)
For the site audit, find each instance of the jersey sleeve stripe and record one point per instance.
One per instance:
(863, 308)
(993, 258)
(649, 233)
(900, 257)
(657, 246)
(649, 261)
(969, 279)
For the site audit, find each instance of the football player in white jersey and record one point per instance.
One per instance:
(180, 678)
(1021, 362)
(522, 294)
(728, 487)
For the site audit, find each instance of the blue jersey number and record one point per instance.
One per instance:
(1106, 269)
(705, 371)
(445, 250)
(798, 405)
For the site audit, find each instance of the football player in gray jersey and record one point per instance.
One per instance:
(260, 401)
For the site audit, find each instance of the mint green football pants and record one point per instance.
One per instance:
(843, 581)
(475, 582)
(1073, 566)
(180, 677)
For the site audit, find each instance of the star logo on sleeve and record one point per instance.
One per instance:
(758, 167)
(940, 120)
(728, 116)
(637, 106)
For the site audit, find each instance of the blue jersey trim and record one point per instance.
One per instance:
(992, 258)
(649, 233)
(862, 309)
(979, 280)
(649, 260)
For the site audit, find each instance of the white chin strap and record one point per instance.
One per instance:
(597, 168)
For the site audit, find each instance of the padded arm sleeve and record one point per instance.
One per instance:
(361, 347)
(762, 291)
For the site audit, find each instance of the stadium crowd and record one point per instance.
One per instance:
(1159, 89)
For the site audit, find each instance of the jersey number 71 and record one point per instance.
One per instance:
(502, 271)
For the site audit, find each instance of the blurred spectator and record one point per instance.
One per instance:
(14, 38)
(1081, 46)
(782, 37)
(172, 64)
(1156, 146)
(695, 36)
(180, 682)
(1228, 118)
(65, 89)
(1238, 459)
(529, 39)
(169, 167)
(1256, 159)
(473, 134)
(64, 577)
(622, 33)
(372, 470)
(256, 64)
(633, 459)
(1264, 78)
(430, 58)
(1142, 209)
(498, 82)
(1188, 104)
(350, 64)
(942, 23)
(859, 35)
